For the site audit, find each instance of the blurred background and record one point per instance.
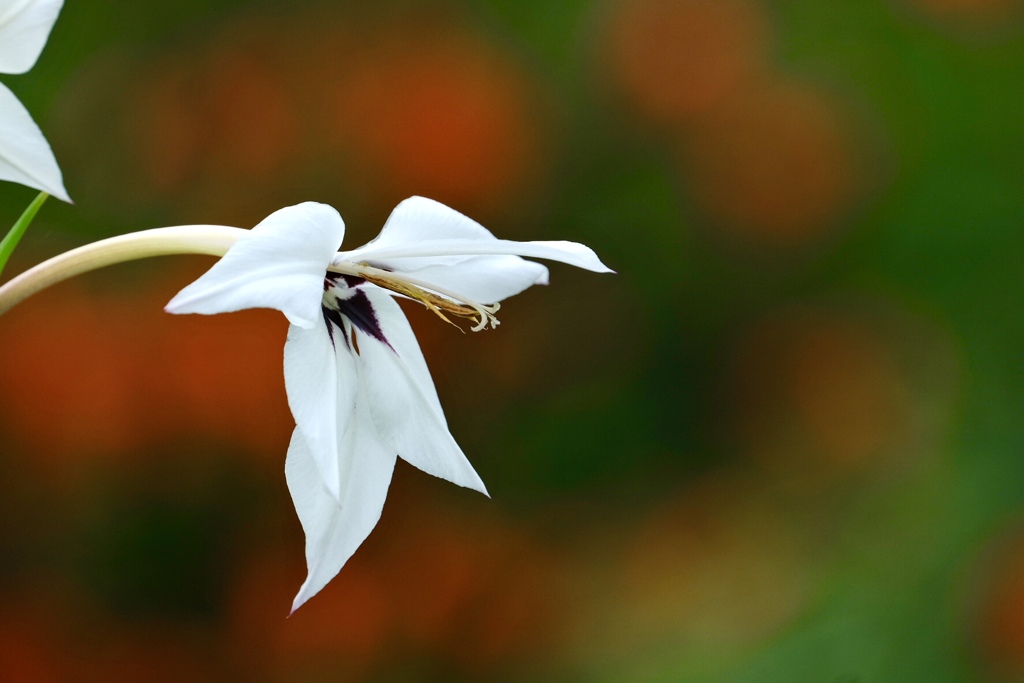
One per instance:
(785, 443)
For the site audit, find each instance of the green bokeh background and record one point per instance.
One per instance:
(661, 509)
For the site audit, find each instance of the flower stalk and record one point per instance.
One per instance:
(212, 240)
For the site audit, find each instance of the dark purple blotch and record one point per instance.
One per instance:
(358, 309)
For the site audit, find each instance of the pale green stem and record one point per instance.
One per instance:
(213, 240)
(10, 241)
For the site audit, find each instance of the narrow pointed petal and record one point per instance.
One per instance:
(25, 155)
(437, 244)
(420, 222)
(279, 264)
(403, 402)
(416, 255)
(484, 279)
(24, 27)
(321, 386)
(335, 530)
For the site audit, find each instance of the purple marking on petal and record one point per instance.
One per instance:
(355, 307)
(359, 311)
(332, 319)
(352, 281)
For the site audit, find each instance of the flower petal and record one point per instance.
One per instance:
(402, 400)
(484, 279)
(334, 530)
(321, 385)
(24, 27)
(418, 219)
(440, 245)
(416, 255)
(279, 264)
(25, 155)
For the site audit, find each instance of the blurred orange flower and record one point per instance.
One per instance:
(112, 374)
(774, 164)
(674, 59)
(438, 111)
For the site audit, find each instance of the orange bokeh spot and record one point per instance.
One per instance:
(166, 125)
(673, 59)
(998, 609)
(27, 654)
(470, 591)
(66, 382)
(439, 113)
(472, 587)
(444, 573)
(848, 390)
(373, 106)
(107, 374)
(219, 116)
(252, 116)
(818, 394)
(773, 164)
(345, 627)
(224, 374)
(716, 564)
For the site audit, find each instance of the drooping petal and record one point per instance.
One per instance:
(334, 530)
(25, 155)
(402, 400)
(321, 386)
(416, 255)
(484, 279)
(279, 264)
(440, 245)
(24, 27)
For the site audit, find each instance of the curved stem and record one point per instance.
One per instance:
(213, 240)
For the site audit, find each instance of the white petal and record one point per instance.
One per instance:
(418, 219)
(416, 255)
(440, 245)
(334, 530)
(24, 27)
(321, 385)
(484, 279)
(25, 155)
(406, 412)
(279, 264)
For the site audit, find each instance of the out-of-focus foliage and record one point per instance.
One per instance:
(785, 443)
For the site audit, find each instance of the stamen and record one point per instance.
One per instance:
(436, 299)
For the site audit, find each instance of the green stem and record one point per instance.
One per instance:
(10, 241)
(213, 240)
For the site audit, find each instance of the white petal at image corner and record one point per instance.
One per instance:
(25, 26)
(357, 383)
(25, 155)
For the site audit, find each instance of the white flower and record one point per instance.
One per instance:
(25, 156)
(356, 380)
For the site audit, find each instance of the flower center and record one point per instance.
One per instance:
(343, 302)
